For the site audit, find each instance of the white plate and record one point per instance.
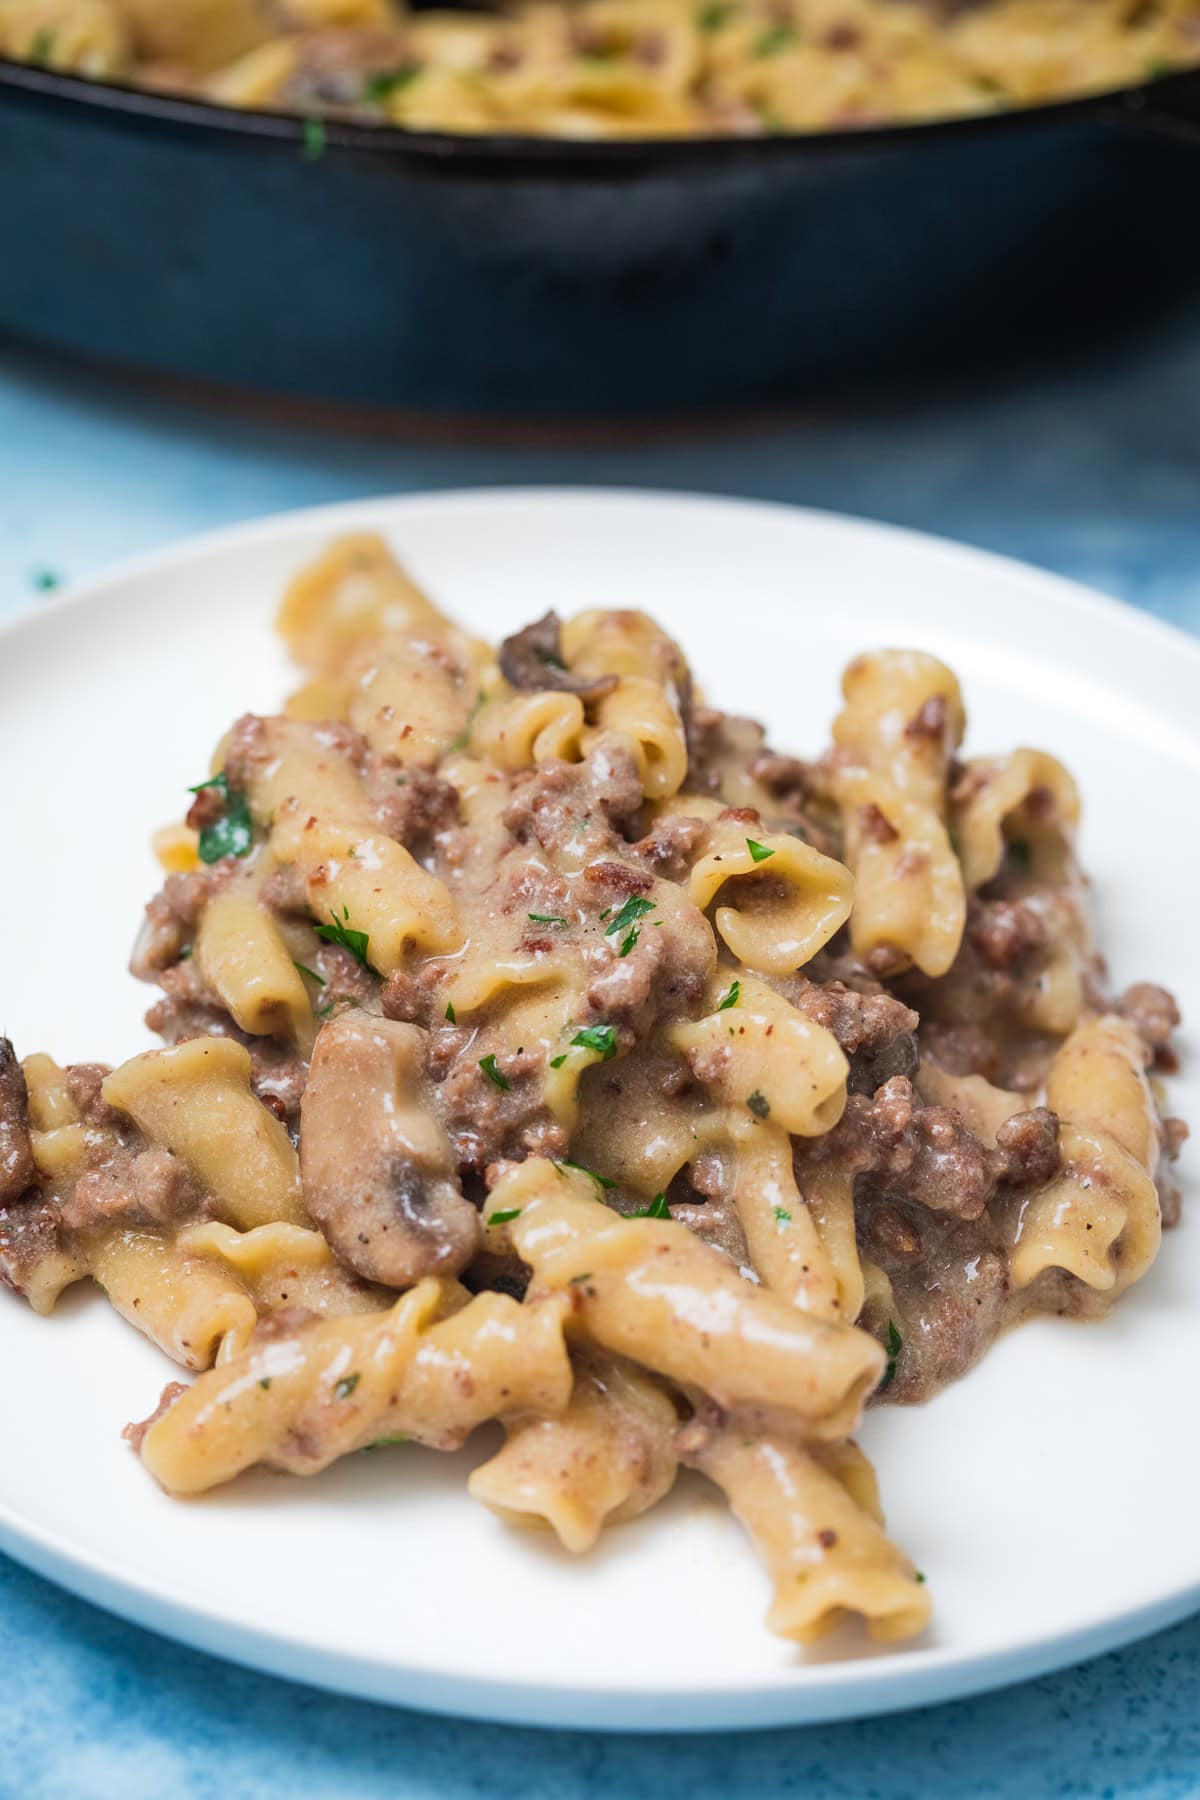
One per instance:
(1050, 1497)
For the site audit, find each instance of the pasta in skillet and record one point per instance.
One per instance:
(612, 68)
(540, 1046)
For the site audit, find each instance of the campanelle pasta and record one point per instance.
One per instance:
(539, 1046)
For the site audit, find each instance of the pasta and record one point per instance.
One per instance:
(539, 1046)
(612, 68)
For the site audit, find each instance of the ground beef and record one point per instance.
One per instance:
(488, 1123)
(558, 803)
(17, 1169)
(876, 1031)
(948, 1319)
(1006, 933)
(29, 1233)
(410, 805)
(671, 845)
(172, 917)
(1154, 1015)
(147, 1187)
(960, 1049)
(927, 1154)
(84, 1084)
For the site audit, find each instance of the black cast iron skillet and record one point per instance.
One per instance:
(537, 278)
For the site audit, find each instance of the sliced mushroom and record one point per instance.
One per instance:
(17, 1168)
(532, 659)
(376, 1165)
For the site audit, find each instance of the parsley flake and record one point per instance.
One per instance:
(311, 973)
(758, 852)
(347, 1385)
(628, 943)
(782, 1216)
(389, 81)
(42, 47)
(265, 1382)
(576, 1280)
(780, 37)
(341, 932)
(920, 1576)
(712, 18)
(657, 1209)
(634, 908)
(488, 1065)
(502, 1218)
(233, 833)
(450, 1012)
(314, 140)
(893, 1344)
(395, 1437)
(759, 1105)
(601, 1181)
(600, 1038)
(464, 736)
(1021, 852)
(731, 998)
(546, 918)
(556, 1062)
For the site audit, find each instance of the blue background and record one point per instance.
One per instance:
(1093, 471)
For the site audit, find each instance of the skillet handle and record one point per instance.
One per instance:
(1169, 107)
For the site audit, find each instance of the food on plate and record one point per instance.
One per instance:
(541, 1045)
(613, 68)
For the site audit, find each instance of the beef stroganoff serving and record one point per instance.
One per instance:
(613, 68)
(543, 1047)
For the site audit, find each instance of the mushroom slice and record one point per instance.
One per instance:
(376, 1165)
(17, 1170)
(533, 661)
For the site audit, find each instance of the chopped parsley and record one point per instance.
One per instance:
(503, 1218)
(600, 1038)
(311, 973)
(920, 1576)
(634, 908)
(759, 1105)
(556, 1062)
(387, 82)
(347, 1385)
(1021, 852)
(186, 953)
(657, 1209)
(731, 998)
(782, 1216)
(233, 833)
(325, 1011)
(780, 37)
(601, 1181)
(758, 852)
(265, 1382)
(450, 1012)
(546, 918)
(488, 1065)
(628, 942)
(44, 581)
(314, 140)
(395, 1437)
(42, 47)
(893, 1344)
(342, 933)
(576, 1280)
(712, 18)
(464, 736)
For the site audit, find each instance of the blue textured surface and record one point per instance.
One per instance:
(1095, 473)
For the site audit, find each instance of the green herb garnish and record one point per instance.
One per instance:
(575, 1280)
(600, 1038)
(759, 1105)
(780, 37)
(464, 736)
(396, 1437)
(41, 48)
(628, 942)
(758, 852)
(712, 18)
(502, 1218)
(44, 581)
(389, 81)
(556, 1062)
(347, 1385)
(731, 998)
(657, 1209)
(547, 918)
(488, 1065)
(450, 1012)
(782, 1216)
(325, 1011)
(341, 932)
(1021, 852)
(920, 1576)
(893, 1345)
(265, 1382)
(314, 140)
(233, 833)
(634, 908)
(601, 1181)
(311, 973)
